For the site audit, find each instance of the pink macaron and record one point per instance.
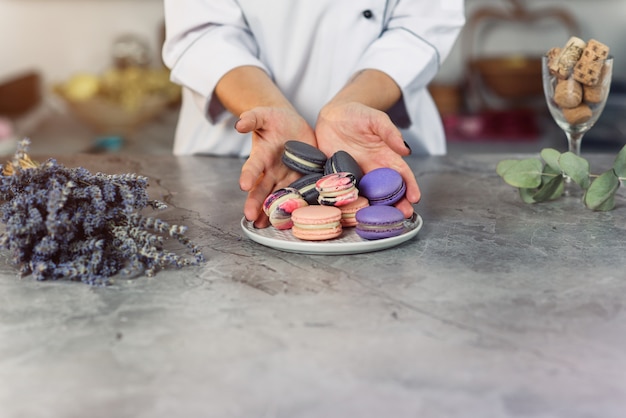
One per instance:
(348, 212)
(337, 189)
(316, 223)
(279, 205)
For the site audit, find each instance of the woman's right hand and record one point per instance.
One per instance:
(265, 112)
(264, 172)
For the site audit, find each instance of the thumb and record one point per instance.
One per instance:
(249, 121)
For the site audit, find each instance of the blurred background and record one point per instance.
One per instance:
(87, 76)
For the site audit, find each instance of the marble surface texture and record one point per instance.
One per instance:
(496, 309)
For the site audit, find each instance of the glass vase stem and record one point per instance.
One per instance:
(574, 139)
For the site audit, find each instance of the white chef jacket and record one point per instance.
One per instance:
(310, 48)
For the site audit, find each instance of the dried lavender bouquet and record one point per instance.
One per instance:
(67, 223)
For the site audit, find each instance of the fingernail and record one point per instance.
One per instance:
(407, 147)
(239, 120)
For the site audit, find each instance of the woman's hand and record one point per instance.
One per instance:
(264, 172)
(265, 112)
(371, 138)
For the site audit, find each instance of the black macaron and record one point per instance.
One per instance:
(342, 162)
(303, 158)
(306, 186)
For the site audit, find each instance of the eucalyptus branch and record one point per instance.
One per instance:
(591, 175)
(543, 179)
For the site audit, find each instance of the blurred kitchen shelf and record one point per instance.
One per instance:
(58, 132)
(61, 133)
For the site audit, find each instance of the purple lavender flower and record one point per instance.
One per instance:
(67, 223)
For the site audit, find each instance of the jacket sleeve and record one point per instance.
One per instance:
(417, 36)
(204, 40)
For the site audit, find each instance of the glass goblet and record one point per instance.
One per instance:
(574, 106)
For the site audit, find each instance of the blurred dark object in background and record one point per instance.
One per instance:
(511, 79)
(20, 94)
(510, 125)
(609, 132)
(130, 50)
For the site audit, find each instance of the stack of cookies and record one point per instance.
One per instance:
(580, 69)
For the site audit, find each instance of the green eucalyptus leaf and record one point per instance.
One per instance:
(601, 193)
(608, 205)
(504, 165)
(551, 157)
(523, 173)
(527, 195)
(539, 182)
(550, 172)
(620, 163)
(577, 168)
(551, 189)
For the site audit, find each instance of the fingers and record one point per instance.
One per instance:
(405, 207)
(387, 158)
(262, 221)
(413, 193)
(251, 173)
(260, 183)
(391, 135)
(386, 130)
(253, 210)
(253, 207)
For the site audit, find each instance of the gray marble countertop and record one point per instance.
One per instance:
(496, 309)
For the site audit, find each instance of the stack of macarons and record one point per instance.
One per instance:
(333, 194)
(383, 187)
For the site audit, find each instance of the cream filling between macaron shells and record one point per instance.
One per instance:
(329, 225)
(301, 160)
(383, 227)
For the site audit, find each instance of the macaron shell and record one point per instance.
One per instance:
(337, 189)
(348, 212)
(279, 205)
(316, 235)
(280, 220)
(303, 158)
(306, 186)
(382, 186)
(316, 223)
(335, 182)
(339, 199)
(279, 195)
(341, 161)
(393, 198)
(377, 222)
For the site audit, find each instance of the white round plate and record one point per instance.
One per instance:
(348, 243)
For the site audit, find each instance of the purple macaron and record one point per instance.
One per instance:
(382, 186)
(377, 222)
